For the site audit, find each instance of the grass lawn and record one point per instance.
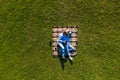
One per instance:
(26, 31)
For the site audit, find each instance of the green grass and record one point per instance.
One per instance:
(25, 34)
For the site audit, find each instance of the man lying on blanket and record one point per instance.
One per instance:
(63, 42)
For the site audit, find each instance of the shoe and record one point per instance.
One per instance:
(70, 58)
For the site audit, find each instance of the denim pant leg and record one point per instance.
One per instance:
(71, 48)
(67, 50)
(62, 49)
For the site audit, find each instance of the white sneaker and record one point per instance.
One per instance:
(70, 58)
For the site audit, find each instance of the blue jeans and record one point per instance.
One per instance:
(65, 49)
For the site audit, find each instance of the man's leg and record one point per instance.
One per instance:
(62, 50)
(68, 51)
(71, 48)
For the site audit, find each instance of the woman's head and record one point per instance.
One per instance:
(66, 32)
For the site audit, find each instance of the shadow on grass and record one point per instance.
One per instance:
(50, 43)
(63, 61)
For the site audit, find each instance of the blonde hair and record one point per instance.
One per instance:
(66, 31)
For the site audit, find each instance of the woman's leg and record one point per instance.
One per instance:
(62, 49)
